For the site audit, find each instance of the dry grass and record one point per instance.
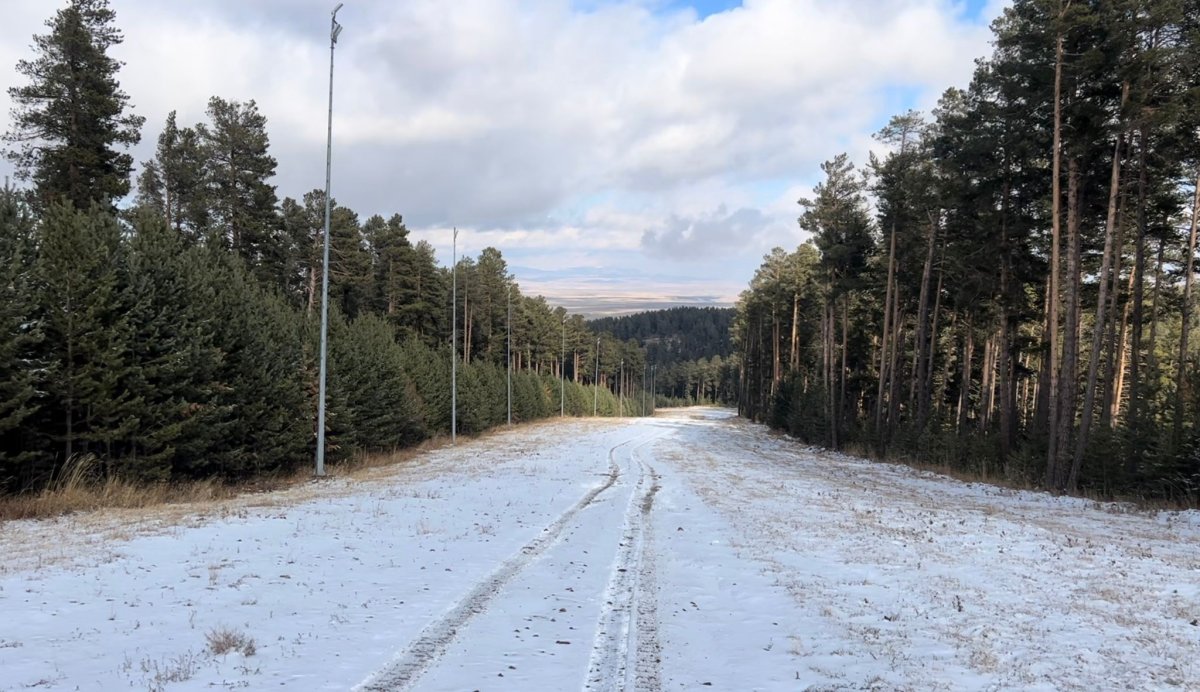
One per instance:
(1137, 502)
(363, 466)
(222, 640)
(79, 488)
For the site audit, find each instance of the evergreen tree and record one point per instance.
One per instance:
(350, 273)
(79, 281)
(425, 314)
(72, 117)
(380, 396)
(491, 294)
(269, 387)
(169, 300)
(20, 339)
(182, 162)
(238, 165)
(150, 190)
(396, 276)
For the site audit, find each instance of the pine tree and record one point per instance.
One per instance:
(396, 276)
(169, 303)
(20, 338)
(492, 279)
(182, 162)
(350, 275)
(72, 116)
(238, 165)
(426, 314)
(264, 369)
(79, 279)
(381, 398)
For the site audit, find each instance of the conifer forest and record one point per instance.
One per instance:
(1008, 292)
(1005, 289)
(167, 325)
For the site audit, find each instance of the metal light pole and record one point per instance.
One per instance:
(621, 391)
(562, 372)
(334, 30)
(596, 382)
(644, 389)
(653, 382)
(509, 355)
(454, 338)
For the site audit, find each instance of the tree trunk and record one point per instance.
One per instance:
(1052, 288)
(920, 353)
(794, 356)
(1114, 363)
(1155, 293)
(1181, 391)
(1070, 350)
(931, 350)
(1123, 365)
(894, 367)
(1008, 399)
(1089, 397)
(883, 349)
(775, 364)
(829, 375)
(964, 390)
(987, 394)
(1135, 349)
(845, 348)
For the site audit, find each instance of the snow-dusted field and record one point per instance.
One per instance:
(692, 551)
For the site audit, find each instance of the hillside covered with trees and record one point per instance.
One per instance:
(174, 334)
(1010, 290)
(689, 349)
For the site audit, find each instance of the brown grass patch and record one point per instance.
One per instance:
(80, 487)
(222, 640)
(1111, 501)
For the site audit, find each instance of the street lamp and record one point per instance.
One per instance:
(621, 391)
(334, 30)
(596, 382)
(454, 338)
(562, 372)
(653, 382)
(509, 356)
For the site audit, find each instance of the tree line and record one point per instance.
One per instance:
(170, 329)
(690, 349)
(1008, 290)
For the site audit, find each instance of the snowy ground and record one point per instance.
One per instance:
(692, 551)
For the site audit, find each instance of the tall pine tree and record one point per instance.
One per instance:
(72, 117)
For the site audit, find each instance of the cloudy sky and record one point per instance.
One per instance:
(622, 154)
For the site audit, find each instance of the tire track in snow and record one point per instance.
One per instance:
(626, 653)
(408, 666)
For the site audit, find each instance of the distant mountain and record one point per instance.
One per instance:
(676, 334)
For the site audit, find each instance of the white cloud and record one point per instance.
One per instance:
(539, 125)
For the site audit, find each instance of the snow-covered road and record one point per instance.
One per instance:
(691, 551)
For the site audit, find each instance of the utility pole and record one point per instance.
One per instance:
(562, 372)
(644, 366)
(454, 338)
(621, 391)
(596, 382)
(509, 356)
(653, 373)
(334, 30)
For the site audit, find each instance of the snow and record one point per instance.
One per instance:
(689, 551)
